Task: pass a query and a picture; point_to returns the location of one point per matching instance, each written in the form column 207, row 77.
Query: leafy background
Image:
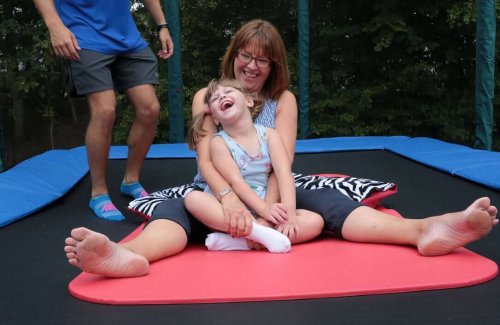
column 386, row 67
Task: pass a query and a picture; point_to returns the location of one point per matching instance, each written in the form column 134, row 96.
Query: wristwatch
column 159, row 27
column 223, row 192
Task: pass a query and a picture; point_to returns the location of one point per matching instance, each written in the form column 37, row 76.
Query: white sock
column 273, row 240
column 218, row 241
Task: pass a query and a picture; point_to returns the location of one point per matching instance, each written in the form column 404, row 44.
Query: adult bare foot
column 443, row 234
column 93, row 252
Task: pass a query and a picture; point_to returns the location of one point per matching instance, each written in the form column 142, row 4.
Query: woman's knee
column 191, row 199
column 311, row 222
column 172, row 235
column 169, row 215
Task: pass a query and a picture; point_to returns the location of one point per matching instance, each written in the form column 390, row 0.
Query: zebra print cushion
column 357, row 189
column 144, row 206
column 363, row 190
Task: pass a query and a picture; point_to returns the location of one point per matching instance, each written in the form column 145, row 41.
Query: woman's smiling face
column 251, row 75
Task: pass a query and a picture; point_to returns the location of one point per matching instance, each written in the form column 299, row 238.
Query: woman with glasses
column 256, row 57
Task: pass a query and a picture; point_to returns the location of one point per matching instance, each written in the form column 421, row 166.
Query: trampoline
column 36, row 273
column 36, row 220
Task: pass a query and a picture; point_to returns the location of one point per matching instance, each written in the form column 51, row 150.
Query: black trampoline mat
column 35, row 273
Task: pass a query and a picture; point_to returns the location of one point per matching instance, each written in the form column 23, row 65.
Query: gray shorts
column 97, row 71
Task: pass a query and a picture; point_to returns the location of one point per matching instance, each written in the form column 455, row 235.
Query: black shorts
column 333, row 206
column 96, row 71
column 174, row 210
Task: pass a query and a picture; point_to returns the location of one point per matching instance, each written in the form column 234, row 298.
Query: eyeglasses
column 246, row 58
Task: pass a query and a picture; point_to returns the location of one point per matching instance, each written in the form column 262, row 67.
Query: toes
column 70, row 249
column 70, row 241
column 73, row 261
column 80, row 233
column 483, row 202
column 70, row 255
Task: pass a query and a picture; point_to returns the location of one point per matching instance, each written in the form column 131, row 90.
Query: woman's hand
column 237, row 218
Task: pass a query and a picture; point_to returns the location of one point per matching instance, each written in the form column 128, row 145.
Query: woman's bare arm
column 286, row 126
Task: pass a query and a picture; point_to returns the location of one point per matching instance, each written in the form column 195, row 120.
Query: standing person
column 245, row 153
column 256, row 58
column 105, row 52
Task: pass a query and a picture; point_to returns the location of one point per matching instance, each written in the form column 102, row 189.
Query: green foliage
column 32, row 79
column 385, row 67
column 393, row 68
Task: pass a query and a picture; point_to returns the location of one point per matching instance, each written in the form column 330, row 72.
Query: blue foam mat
column 38, row 181
column 479, row 166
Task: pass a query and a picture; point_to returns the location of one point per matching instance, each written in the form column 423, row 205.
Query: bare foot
column 93, row 252
column 444, row 233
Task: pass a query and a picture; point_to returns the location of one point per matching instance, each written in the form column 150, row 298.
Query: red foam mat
column 319, row 269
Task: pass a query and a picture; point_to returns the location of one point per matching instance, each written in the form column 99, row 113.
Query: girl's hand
column 290, row 229
column 276, row 213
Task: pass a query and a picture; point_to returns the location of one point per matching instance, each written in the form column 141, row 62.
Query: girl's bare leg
column 208, row 210
column 311, row 226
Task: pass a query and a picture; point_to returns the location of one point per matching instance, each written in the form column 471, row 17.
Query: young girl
column 244, row 154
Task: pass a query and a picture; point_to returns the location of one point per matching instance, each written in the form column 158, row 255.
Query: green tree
column 392, row 68
column 32, row 80
column 381, row 67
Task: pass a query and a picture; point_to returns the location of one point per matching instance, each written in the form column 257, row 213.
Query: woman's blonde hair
column 261, row 35
column 196, row 131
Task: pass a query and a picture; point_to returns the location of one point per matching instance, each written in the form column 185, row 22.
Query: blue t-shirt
column 105, row 26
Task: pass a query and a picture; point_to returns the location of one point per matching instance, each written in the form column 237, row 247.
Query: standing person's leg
column 136, row 74
column 92, row 77
column 98, row 140
column 143, row 131
column 98, row 137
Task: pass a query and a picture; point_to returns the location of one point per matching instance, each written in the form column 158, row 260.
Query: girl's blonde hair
column 196, row 131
